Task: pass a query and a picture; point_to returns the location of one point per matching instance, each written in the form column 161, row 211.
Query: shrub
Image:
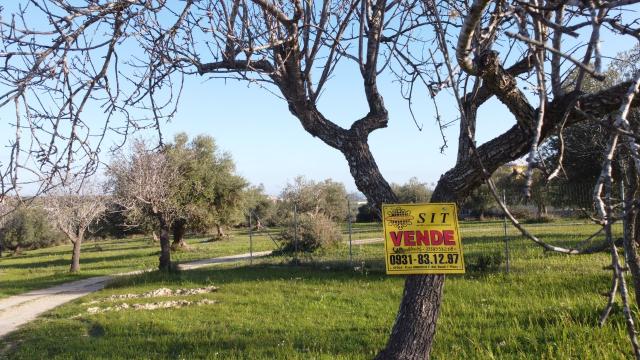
column 543, row 219
column 485, row 262
column 28, row 229
column 313, row 232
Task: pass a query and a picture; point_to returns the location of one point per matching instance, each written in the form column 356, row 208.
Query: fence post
column 506, row 238
column 295, row 233
column 624, row 207
column 250, row 239
column 349, row 222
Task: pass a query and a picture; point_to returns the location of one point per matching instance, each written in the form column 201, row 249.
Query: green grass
column 46, row 267
column 546, row 308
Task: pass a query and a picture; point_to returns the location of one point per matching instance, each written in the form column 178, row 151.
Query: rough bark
column 179, row 230
column 414, row 329
column 165, row 248
column 75, row 256
column 220, row 231
column 630, row 244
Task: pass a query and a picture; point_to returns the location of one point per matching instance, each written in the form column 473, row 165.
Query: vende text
column 426, row 238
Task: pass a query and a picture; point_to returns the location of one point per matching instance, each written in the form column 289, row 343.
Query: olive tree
column 210, row 194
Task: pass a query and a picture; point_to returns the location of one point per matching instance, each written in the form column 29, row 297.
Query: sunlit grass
column 546, row 308
column 45, row 267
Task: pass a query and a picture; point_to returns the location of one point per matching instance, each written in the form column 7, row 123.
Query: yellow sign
column 422, row 239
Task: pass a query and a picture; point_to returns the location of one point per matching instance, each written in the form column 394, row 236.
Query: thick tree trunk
column 179, row 229
column 165, row 248
column 75, row 257
column 415, row 325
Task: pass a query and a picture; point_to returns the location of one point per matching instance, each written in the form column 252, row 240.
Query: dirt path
column 367, row 241
column 21, row 309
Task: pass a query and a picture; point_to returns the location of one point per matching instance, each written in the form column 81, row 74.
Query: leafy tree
column 27, row 228
column 413, row 191
column 210, row 194
column 261, row 206
column 325, row 197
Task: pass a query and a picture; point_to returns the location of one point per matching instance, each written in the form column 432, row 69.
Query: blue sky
column 270, row 146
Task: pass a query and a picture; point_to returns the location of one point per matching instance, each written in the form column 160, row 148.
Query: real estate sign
column 422, row 239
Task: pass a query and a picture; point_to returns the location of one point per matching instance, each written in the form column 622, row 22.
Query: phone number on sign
column 423, row 259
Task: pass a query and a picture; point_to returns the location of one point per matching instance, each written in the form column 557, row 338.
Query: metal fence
column 557, row 214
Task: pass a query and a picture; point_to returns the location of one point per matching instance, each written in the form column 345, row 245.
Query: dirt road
column 20, row 309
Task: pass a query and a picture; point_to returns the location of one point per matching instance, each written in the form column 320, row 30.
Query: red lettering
column 436, row 237
column 448, row 237
column 396, row 237
column 422, row 237
column 409, row 239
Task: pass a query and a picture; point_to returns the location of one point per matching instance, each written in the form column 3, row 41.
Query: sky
column 270, row 147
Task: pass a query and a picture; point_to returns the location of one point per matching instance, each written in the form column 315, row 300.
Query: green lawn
column 45, row 267
column 546, row 308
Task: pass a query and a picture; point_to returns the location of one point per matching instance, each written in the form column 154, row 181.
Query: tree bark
column 220, row 231
column 631, row 222
column 179, row 229
column 165, row 248
column 75, row 257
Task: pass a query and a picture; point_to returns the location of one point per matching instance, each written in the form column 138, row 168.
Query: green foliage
column 412, row 192
column 325, row 197
column 313, row 231
column 114, row 224
column 27, row 229
column 366, row 214
column 262, row 207
column 210, row 193
column 484, row 262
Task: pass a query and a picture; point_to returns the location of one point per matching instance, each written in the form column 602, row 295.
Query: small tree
column 144, row 183
column 26, row 228
column 412, row 192
column 260, row 205
column 74, row 207
column 326, row 197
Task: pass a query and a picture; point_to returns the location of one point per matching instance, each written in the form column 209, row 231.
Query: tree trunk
column 415, row 325
column 631, row 231
column 75, row 257
column 179, row 229
column 220, row 231
column 165, row 248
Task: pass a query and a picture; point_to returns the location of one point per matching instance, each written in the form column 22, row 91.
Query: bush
column 366, row 214
column 544, row 219
column 313, row 232
column 485, row 262
column 28, row 229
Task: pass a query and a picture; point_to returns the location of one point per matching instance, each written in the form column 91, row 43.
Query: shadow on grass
column 67, row 261
column 248, row 273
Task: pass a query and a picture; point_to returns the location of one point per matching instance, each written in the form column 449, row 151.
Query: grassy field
column 45, row 267
column 546, row 308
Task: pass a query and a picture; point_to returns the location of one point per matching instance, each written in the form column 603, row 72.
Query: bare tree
column 144, row 183
column 74, row 207
column 292, row 48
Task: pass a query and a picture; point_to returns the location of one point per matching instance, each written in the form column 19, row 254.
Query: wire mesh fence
column 555, row 214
